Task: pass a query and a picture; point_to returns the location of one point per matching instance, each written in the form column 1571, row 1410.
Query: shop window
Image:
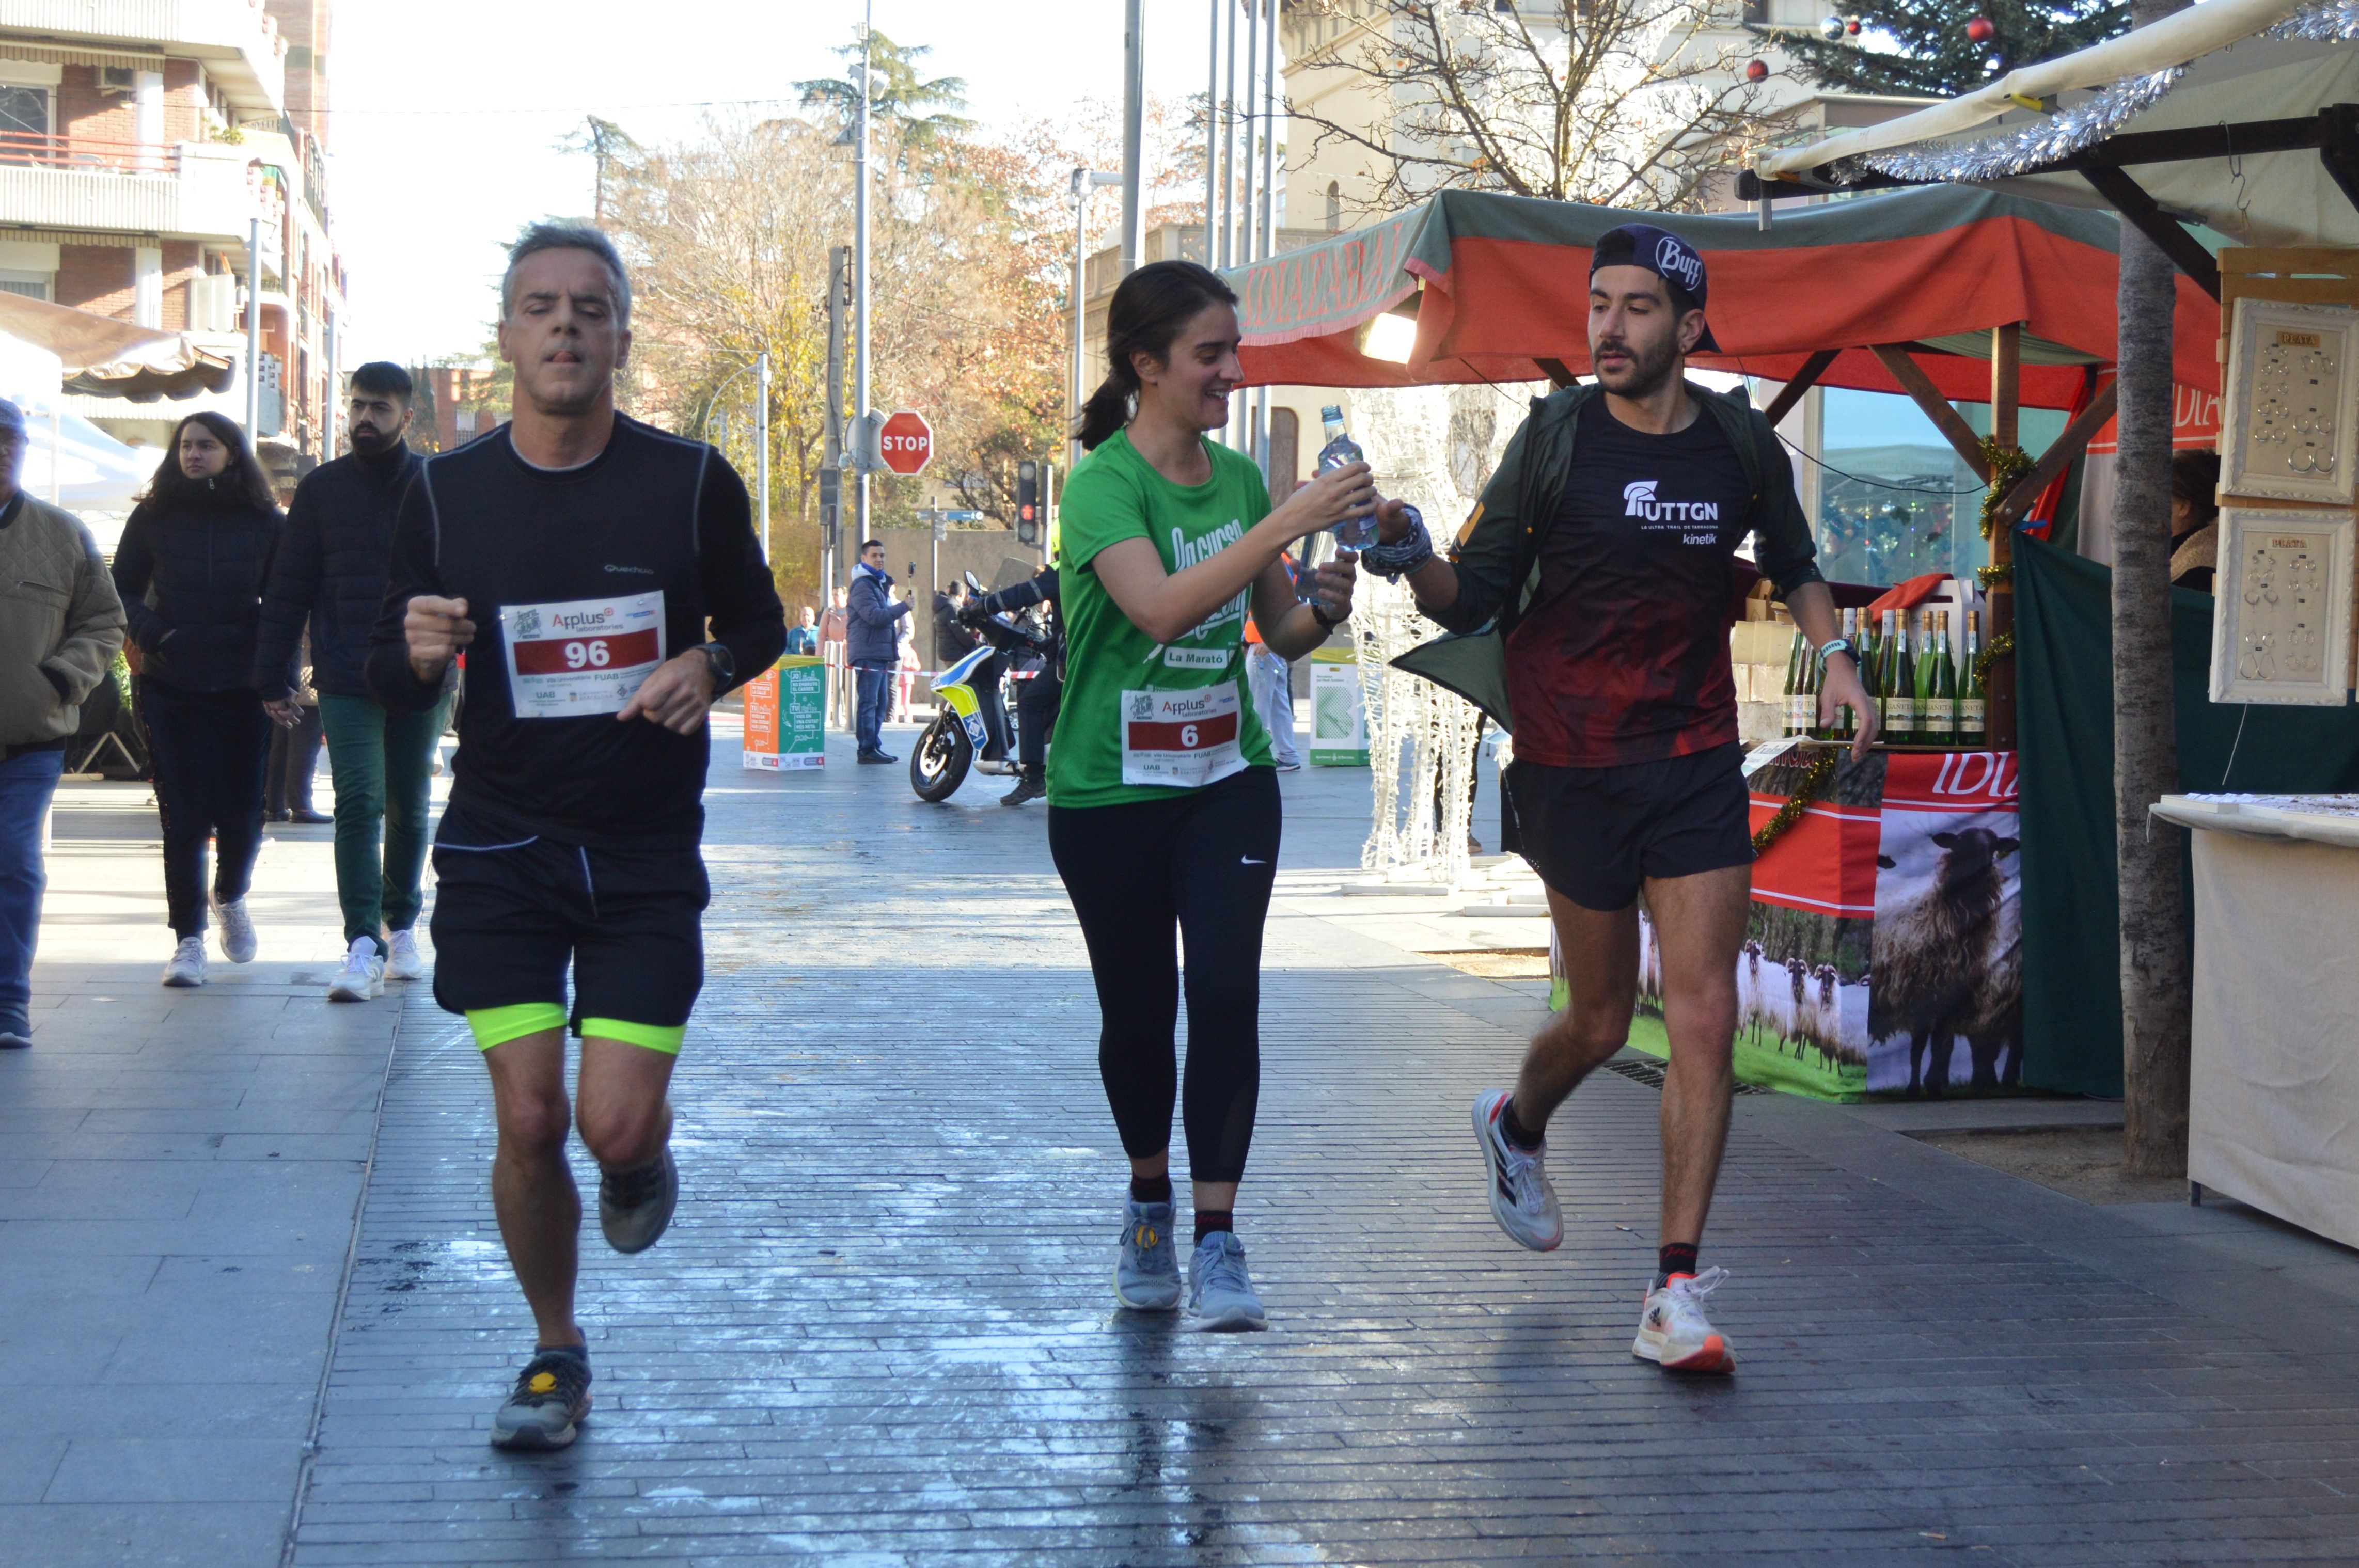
column 1895, row 499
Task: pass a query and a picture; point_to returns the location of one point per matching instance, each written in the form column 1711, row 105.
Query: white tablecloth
column 2274, row 1104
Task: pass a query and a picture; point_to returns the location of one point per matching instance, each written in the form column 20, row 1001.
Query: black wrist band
column 1319, row 613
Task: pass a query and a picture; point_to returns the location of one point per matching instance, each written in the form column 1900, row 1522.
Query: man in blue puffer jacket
column 874, row 646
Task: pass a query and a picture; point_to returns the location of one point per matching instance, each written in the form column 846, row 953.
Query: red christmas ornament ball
column 1851, row 25
column 1980, row 31
column 1757, row 70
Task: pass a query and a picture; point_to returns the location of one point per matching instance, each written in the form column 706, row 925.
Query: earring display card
column 2290, row 427
column 2282, row 631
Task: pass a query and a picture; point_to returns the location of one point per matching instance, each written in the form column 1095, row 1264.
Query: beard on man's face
column 1650, row 363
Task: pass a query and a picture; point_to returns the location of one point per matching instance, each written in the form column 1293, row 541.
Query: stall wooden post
column 2006, row 386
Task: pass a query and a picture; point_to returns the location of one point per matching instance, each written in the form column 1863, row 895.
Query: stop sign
column 907, row 441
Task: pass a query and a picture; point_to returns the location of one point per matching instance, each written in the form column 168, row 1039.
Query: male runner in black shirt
column 577, row 557
column 1630, row 497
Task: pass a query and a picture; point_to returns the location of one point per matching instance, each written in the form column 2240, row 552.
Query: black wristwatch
column 723, row 663
column 1319, row 613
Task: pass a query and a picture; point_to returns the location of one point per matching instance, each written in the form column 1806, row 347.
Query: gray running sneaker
column 1522, row 1201
column 634, row 1206
column 186, row 967
column 237, row 942
column 544, row 1410
column 1146, row 1271
column 1221, row 1298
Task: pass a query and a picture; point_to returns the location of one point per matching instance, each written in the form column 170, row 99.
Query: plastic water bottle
column 1352, row 533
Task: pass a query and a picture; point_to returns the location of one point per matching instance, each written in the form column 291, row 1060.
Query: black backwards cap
column 1666, row 256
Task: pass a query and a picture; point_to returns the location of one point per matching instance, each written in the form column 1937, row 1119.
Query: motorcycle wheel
column 938, row 764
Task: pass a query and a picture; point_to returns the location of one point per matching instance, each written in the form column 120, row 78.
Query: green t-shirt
column 1135, row 712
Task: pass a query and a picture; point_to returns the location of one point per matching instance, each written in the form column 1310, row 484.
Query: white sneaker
column 238, row 944
column 1521, row 1199
column 188, row 965
column 405, row 962
column 361, row 976
column 1674, row 1333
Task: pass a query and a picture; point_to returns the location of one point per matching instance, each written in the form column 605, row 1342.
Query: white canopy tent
column 2240, row 114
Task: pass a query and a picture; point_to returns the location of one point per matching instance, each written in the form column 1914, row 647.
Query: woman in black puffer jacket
column 191, row 569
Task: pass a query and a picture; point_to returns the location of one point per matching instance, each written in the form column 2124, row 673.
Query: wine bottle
column 1871, row 666
column 1806, row 702
column 1900, row 683
column 1794, row 684
column 1846, row 722
column 1938, row 717
column 1972, row 731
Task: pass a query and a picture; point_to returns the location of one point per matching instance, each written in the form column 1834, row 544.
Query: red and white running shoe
column 1675, row 1335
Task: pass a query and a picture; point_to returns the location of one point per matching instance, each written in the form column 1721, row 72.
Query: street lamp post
column 860, row 282
column 1084, row 182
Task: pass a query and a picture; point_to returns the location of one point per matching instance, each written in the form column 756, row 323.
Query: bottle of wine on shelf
column 1937, row 715
column 1807, row 705
column 1846, row 722
column 1794, row 683
column 1871, row 669
column 1973, row 729
column 1899, row 683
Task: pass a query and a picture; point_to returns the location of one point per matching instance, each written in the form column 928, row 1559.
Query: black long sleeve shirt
column 637, row 548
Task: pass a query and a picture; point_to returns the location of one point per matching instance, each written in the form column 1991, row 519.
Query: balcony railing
column 26, row 148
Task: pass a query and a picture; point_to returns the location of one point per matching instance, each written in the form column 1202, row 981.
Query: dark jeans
column 876, row 701
column 26, row 782
column 1036, row 701
column 379, row 763
column 207, row 749
column 294, row 758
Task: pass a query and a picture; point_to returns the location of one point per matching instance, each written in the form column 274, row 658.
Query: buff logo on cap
column 1673, row 259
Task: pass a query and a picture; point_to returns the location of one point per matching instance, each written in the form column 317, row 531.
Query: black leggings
column 1201, row 861
column 207, row 750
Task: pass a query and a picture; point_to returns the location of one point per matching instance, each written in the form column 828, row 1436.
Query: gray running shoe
column 237, row 942
column 17, row 1037
column 634, row 1206
column 1522, row 1201
column 1146, row 1271
column 550, row 1397
column 186, row 967
column 1221, row 1298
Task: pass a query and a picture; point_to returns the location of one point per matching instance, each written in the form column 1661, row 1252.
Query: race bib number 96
column 1181, row 738
column 584, row 656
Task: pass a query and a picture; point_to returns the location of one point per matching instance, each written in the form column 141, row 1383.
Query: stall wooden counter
column 2273, row 1115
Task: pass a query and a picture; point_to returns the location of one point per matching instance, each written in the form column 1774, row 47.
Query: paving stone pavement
column 879, row 1332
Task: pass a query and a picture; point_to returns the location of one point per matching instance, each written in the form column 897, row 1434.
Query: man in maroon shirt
column 1602, row 552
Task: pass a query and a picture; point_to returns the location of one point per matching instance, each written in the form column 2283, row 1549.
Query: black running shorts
column 1595, row 834
column 511, row 914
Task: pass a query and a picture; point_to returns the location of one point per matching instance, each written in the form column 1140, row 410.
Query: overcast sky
column 447, row 113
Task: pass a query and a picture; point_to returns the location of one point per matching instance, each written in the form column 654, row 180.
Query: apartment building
column 140, row 142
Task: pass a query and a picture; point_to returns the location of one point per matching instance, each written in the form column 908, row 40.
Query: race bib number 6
column 583, row 656
column 1181, row 738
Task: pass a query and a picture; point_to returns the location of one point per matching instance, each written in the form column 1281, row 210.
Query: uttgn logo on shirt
column 1641, row 503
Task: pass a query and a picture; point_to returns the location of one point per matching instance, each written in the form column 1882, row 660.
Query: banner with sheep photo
column 1883, row 930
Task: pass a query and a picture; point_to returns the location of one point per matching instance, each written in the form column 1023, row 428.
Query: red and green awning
column 1499, row 285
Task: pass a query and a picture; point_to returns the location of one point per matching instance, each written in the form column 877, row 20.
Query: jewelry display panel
column 2291, row 424
column 2282, row 628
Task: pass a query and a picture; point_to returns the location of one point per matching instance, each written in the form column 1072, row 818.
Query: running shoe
column 1521, row 1199
column 1027, row 788
column 363, row 976
column 238, row 944
column 1673, row 1332
column 404, row 961
column 545, row 1408
column 1146, row 1271
column 1221, row 1298
column 634, row 1206
column 186, row 967
column 16, row 1037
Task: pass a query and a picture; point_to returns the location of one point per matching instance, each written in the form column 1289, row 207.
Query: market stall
column 1938, row 294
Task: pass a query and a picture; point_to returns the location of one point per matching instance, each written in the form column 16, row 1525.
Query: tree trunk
column 2156, row 984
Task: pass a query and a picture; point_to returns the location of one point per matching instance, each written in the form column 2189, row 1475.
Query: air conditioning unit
column 118, row 79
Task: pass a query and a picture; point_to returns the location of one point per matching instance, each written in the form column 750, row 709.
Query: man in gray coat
column 61, row 627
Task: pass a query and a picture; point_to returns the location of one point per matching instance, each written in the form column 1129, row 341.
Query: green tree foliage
column 1927, row 52
column 916, row 109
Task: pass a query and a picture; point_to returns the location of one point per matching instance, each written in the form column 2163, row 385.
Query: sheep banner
column 1881, row 952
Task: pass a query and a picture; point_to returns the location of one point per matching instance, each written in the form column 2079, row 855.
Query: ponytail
column 1149, row 307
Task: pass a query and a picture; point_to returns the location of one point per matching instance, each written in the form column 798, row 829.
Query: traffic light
column 830, row 505
column 1028, row 503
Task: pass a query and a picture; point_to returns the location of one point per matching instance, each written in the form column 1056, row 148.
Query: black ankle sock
column 1674, row 1258
column 1150, row 1189
column 1208, row 1220
column 1519, row 1135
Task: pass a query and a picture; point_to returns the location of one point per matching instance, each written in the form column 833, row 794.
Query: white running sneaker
column 186, row 967
column 363, row 976
column 1673, row 1332
column 238, row 944
column 1521, row 1199
column 405, row 962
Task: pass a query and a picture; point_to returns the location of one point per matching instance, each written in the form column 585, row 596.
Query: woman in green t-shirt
column 1163, row 804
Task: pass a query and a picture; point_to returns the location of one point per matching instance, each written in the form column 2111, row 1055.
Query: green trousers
column 379, row 763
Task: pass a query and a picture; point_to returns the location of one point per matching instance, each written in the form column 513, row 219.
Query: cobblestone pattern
column 878, row 1334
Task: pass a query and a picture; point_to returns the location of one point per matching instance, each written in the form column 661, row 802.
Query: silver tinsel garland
column 2052, row 136
column 2337, row 21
